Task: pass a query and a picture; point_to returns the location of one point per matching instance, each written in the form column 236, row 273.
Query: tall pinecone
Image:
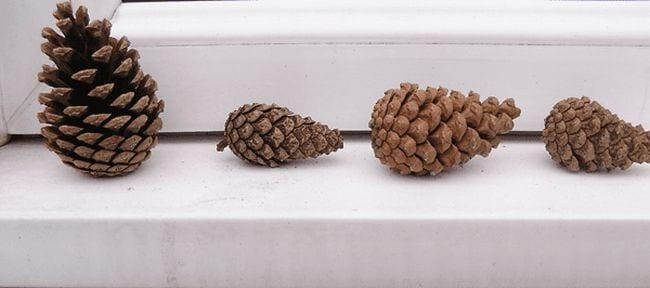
column 270, row 135
column 582, row 135
column 102, row 113
column 426, row 131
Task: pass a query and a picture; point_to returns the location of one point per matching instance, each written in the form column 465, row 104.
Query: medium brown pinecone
column 270, row 135
column 582, row 135
column 102, row 112
column 426, row 131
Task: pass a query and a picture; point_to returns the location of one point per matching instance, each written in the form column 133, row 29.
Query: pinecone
column 102, row 113
column 582, row 135
column 270, row 135
column 427, row 131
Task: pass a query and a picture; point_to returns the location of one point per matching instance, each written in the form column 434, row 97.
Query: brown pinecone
column 426, row 131
column 270, row 135
column 582, row 135
column 102, row 112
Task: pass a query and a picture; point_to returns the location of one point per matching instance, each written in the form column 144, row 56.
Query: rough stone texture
column 102, row 114
column 423, row 132
column 582, row 135
column 270, row 135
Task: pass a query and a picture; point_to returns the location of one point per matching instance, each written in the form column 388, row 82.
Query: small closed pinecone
column 270, row 135
column 582, row 135
column 102, row 112
column 426, row 131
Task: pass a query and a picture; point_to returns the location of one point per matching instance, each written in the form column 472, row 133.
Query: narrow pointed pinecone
column 270, row 135
column 582, row 135
column 102, row 113
column 427, row 131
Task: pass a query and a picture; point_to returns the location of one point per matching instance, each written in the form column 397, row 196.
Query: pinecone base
column 112, row 156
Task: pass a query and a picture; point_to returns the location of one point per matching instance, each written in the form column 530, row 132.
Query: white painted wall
column 333, row 59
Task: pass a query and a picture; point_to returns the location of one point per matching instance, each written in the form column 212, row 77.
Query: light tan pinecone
column 427, row 131
column 270, row 135
column 582, row 135
column 102, row 113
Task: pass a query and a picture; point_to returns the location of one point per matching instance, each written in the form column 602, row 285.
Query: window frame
column 475, row 29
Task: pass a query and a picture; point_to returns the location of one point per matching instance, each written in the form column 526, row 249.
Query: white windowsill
column 193, row 217
column 186, row 177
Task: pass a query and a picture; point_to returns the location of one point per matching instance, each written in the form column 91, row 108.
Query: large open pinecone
column 102, row 112
column 270, row 135
column 426, row 131
column 582, row 135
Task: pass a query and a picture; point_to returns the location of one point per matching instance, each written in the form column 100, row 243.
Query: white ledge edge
column 558, row 23
column 4, row 129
